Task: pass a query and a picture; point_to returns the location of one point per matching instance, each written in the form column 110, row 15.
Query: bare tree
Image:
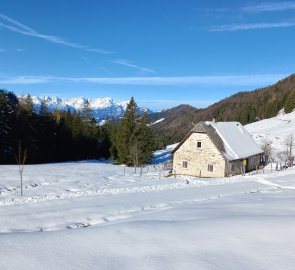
column 267, row 149
column 289, row 146
column 21, row 158
column 134, row 153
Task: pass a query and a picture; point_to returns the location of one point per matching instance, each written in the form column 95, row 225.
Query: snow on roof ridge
column 234, row 154
column 237, row 141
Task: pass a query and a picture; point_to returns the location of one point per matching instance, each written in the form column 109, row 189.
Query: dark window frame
column 210, row 168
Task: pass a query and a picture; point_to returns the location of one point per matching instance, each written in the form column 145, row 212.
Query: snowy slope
column 156, row 122
column 92, row 215
column 274, row 129
column 89, row 215
column 102, row 107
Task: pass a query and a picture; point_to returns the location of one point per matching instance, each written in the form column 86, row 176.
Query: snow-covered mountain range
column 102, row 107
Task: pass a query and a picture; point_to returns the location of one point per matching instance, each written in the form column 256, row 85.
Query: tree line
column 57, row 136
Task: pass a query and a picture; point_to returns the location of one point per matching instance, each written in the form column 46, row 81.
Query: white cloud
column 128, row 64
column 250, row 26
column 267, row 7
column 98, row 50
column 3, row 50
column 52, row 39
column 18, row 27
column 23, row 80
column 215, row 80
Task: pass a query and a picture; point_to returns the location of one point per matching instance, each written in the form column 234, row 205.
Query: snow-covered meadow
column 274, row 130
column 95, row 215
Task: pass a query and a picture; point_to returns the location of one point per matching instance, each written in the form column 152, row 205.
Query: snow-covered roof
column 238, row 143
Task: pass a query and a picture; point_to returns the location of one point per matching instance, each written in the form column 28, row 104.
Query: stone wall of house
column 236, row 166
column 253, row 162
column 198, row 159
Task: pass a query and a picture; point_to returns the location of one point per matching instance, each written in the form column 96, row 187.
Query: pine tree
column 290, row 102
column 141, row 143
column 87, row 112
column 110, row 129
column 125, row 131
column 43, row 110
column 8, row 105
column 28, row 104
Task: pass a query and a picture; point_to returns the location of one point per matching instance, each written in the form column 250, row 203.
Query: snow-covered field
column 89, row 215
column 94, row 215
column 275, row 130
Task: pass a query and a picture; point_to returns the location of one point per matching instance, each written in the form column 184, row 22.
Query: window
column 184, row 164
column 199, row 144
column 210, row 168
column 232, row 167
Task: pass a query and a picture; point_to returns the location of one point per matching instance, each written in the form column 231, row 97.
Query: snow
column 164, row 155
column 156, row 122
column 102, row 103
column 101, row 107
column 237, row 141
column 274, row 129
column 88, row 215
column 96, row 215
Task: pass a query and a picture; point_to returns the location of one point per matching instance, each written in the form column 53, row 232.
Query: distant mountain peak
column 102, row 107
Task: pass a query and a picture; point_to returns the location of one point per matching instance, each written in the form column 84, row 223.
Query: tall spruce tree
column 28, row 104
column 125, row 131
column 141, row 143
column 87, row 112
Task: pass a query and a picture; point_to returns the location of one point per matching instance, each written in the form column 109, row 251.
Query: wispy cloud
column 23, row 30
column 11, row 50
column 18, row 27
column 211, row 10
column 106, row 70
column 216, row 80
column 249, row 26
column 85, row 59
column 267, row 7
column 24, row 80
column 128, row 64
column 97, row 50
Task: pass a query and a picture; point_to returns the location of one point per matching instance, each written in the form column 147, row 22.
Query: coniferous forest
column 56, row 136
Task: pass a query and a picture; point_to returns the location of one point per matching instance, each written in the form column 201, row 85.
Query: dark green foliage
column 110, row 130
column 141, row 143
column 134, row 142
column 87, row 112
column 47, row 136
column 8, row 105
column 125, row 131
column 61, row 136
column 290, row 102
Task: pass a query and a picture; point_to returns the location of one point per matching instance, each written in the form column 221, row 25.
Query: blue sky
column 161, row 52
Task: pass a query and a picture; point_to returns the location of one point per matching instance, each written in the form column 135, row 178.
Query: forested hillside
column 245, row 107
column 30, row 136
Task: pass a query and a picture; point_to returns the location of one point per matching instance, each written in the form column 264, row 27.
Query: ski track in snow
column 115, row 191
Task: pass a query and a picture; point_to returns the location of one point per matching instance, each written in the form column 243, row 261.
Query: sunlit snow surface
column 88, row 215
column 274, row 130
column 95, row 215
